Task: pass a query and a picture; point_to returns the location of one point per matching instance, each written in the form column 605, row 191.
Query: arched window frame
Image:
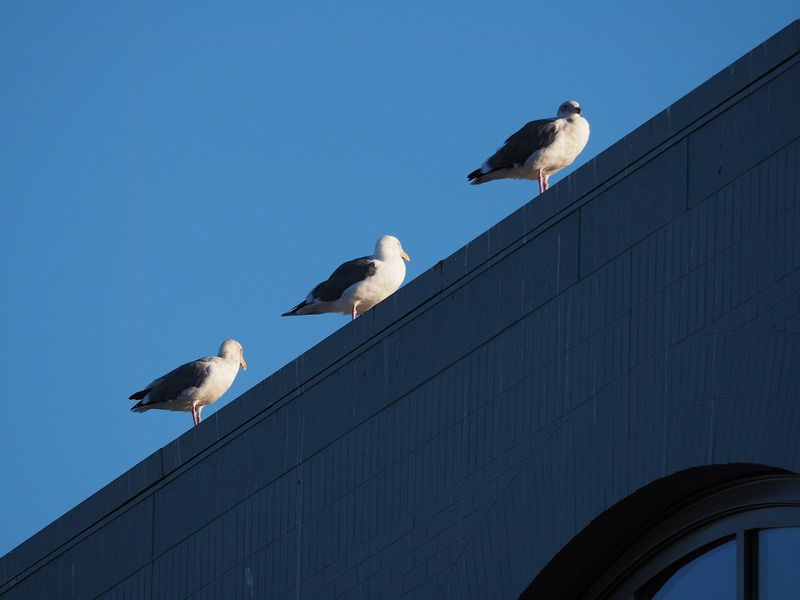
column 663, row 541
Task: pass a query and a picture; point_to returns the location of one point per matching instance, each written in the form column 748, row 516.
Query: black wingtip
column 139, row 395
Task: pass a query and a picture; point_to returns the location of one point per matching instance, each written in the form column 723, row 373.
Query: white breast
column 572, row 137
column 219, row 380
column 387, row 279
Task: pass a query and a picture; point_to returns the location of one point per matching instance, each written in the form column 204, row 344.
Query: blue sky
column 173, row 174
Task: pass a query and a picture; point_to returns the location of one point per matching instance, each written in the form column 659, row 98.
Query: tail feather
column 293, row 312
column 139, row 395
column 139, row 407
column 478, row 176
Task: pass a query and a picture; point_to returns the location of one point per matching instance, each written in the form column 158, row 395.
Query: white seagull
column 539, row 149
column 194, row 385
column 358, row 285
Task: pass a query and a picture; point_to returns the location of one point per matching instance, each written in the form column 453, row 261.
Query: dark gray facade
column 638, row 320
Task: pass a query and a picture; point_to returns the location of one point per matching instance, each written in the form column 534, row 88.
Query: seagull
column 358, row 285
column 194, row 385
column 538, row 150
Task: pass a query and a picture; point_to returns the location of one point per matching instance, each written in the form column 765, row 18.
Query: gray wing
column 170, row 386
column 518, row 148
column 342, row 278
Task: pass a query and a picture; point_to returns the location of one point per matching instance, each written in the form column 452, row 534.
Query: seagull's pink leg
column 353, row 313
column 546, row 183
column 194, row 415
column 541, row 182
column 199, row 418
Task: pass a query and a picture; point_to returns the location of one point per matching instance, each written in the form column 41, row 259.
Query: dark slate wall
column 638, row 319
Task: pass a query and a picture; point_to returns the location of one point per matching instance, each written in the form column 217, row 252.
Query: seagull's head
column 569, row 108
column 389, row 247
column 232, row 350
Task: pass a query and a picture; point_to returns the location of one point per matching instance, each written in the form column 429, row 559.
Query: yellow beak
column 405, row 256
column 243, row 362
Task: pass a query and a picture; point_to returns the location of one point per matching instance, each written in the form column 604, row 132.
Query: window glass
column 710, row 575
column 778, row 563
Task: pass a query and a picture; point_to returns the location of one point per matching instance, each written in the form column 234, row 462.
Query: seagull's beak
column 243, row 362
column 404, row 255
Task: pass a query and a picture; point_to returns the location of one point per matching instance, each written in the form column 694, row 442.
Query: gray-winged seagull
column 539, row 149
column 194, row 385
column 358, row 285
